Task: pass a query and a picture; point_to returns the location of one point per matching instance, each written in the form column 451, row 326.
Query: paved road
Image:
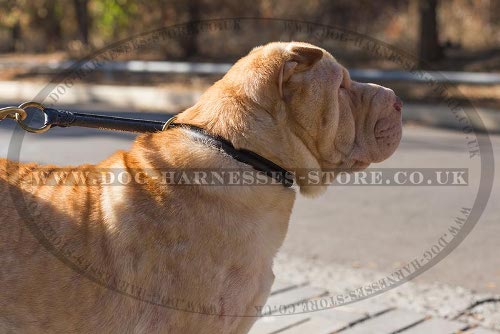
column 375, row 227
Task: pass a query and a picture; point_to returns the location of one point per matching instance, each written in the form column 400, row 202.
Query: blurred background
column 445, row 35
column 455, row 34
column 352, row 235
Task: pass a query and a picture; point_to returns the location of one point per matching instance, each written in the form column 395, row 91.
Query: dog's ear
column 300, row 58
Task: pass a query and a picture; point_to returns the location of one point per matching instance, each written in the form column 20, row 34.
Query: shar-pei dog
column 160, row 256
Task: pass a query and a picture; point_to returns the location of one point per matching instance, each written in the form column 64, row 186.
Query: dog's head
column 320, row 117
column 351, row 124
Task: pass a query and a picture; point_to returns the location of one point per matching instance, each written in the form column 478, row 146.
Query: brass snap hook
column 11, row 112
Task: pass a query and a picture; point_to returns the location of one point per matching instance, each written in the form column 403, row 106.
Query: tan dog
column 197, row 248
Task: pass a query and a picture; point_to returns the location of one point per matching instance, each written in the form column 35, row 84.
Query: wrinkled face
column 347, row 124
column 369, row 121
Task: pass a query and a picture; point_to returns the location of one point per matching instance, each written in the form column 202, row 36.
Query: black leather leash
column 64, row 118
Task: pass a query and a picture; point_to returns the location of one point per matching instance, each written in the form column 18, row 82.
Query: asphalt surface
column 367, row 227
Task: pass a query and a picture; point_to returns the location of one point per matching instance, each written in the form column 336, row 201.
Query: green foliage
column 112, row 17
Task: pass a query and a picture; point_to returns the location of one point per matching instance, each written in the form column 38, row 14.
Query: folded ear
column 301, row 58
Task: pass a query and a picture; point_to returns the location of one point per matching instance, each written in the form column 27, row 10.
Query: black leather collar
column 258, row 162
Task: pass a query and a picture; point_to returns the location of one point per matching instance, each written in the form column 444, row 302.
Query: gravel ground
column 439, row 300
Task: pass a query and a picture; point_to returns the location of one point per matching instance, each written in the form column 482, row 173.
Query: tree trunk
column 429, row 48
column 190, row 42
column 83, row 19
column 15, row 33
column 52, row 26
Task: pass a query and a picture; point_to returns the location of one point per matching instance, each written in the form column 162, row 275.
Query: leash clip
column 19, row 114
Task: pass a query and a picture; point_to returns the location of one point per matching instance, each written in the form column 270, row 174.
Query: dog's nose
column 398, row 105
